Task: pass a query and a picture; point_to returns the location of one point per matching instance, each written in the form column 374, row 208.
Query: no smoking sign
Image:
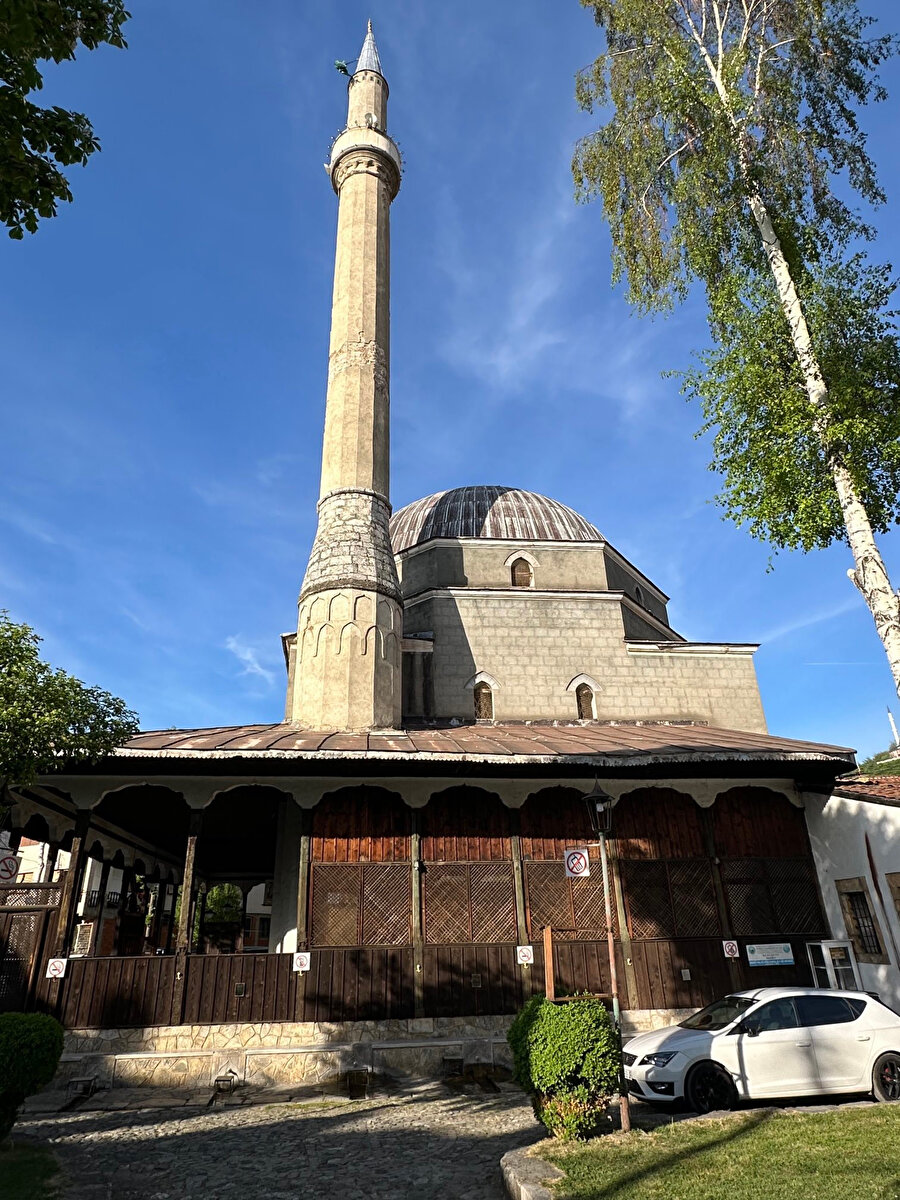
column 731, row 949
column 578, row 865
column 9, row 867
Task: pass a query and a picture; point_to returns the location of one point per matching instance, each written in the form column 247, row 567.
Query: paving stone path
column 435, row 1143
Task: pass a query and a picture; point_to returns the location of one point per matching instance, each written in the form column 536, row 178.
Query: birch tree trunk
column 869, row 573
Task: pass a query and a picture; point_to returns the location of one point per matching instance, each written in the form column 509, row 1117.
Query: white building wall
column 837, row 831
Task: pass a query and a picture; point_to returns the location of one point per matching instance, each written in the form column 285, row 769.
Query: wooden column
column 50, row 864
column 418, row 936
column 706, row 825
column 127, row 880
column 68, row 908
column 185, row 916
column 156, row 920
column 101, row 905
column 515, row 843
column 303, row 880
column 618, row 898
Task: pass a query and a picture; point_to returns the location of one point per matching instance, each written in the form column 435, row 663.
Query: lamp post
column 600, row 805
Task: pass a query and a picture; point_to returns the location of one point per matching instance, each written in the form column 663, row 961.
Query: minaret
column 346, row 673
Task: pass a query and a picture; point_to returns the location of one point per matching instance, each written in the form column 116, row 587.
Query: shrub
column 30, row 1047
column 566, row 1056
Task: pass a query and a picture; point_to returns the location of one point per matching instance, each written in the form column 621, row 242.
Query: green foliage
column 224, row 904
column 49, row 719
column 30, row 1048
column 566, row 1056
column 35, row 142
column 880, row 764
column 712, row 101
column 773, row 449
column 723, row 117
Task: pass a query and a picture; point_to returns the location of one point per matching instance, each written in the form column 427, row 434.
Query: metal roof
column 489, row 512
column 596, row 744
column 368, row 57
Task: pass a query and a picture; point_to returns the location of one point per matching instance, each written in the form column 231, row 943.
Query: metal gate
column 28, row 914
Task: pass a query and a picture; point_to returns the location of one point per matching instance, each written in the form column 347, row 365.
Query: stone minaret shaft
column 346, row 672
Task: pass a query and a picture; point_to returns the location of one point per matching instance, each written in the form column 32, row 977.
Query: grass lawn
column 27, row 1173
column 843, row 1155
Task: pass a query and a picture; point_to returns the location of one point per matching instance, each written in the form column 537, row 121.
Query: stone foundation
column 280, row 1054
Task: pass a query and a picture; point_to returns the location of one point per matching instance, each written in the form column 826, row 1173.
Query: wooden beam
column 418, row 936
column 68, row 907
column 303, row 879
column 185, row 916
column 101, row 905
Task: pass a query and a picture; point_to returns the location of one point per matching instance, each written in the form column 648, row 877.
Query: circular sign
column 9, row 868
column 731, row 949
column 525, row 955
column 576, row 862
column 56, row 968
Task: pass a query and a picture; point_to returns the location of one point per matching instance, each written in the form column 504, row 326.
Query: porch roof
column 595, row 744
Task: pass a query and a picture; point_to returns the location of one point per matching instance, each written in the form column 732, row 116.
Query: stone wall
column 280, row 1054
column 533, row 645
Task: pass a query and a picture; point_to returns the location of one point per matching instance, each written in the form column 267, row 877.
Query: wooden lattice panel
column 335, row 904
column 30, row 896
column 749, row 900
column 492, row 901
column 795, row 897
column 589, row 905
column 386, row 905
column 694, row 898
column 549, row 896
column 446, row 902
column 647, row 898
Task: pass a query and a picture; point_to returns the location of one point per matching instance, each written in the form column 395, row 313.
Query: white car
column 768, row 1043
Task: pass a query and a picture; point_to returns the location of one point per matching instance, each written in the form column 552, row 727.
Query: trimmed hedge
column 566, row 1056
column 30, row 1048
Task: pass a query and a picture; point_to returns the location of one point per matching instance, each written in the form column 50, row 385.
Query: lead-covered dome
column 489, row 512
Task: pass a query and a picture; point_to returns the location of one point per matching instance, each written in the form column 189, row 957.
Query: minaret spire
column 368, row 57
column 346, row 670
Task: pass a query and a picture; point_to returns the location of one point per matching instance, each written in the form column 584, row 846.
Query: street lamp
column 599, row 806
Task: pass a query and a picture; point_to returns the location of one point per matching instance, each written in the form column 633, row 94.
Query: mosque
column 462, row 674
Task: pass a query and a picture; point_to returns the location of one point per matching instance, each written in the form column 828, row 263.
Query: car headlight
column 657, row 1060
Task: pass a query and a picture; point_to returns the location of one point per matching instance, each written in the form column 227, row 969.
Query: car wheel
column 886, row 1077
column 709, row 1088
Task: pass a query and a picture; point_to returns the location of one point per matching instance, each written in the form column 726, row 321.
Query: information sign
column 770, row 954
column 84, row 933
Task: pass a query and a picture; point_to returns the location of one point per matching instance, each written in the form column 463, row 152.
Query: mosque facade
column 462, row 673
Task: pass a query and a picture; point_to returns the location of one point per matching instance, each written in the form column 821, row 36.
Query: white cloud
column 248, row 657
column 801, row 623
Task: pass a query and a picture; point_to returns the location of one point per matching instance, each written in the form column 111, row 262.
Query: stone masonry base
column 280, row 1054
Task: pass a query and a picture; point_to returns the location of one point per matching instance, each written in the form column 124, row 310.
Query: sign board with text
column 770, row 954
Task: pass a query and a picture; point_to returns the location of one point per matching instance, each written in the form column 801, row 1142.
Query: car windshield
column 719, row 1014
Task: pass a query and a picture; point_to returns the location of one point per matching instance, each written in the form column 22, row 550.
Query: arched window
column 584, row 697
column 484, row 702
column 522, row 574
column 638, row 594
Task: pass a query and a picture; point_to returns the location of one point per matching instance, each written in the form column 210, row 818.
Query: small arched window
column 484, row 702
column 584, row 698
column 522, row 575
column 638, row 594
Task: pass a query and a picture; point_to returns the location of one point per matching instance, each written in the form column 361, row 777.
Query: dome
column 489, row 512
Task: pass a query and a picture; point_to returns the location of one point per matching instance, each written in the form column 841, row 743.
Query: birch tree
column 733, row 156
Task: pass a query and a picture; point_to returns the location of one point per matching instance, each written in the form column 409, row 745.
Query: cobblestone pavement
column 433, row 1143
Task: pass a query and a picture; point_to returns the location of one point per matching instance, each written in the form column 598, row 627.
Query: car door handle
column 803, row 1043
column 863, row 1037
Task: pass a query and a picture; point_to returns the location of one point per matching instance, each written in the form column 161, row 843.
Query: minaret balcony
column 369, row 140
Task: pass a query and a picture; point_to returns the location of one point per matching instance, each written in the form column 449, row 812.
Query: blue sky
column 165, row 340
